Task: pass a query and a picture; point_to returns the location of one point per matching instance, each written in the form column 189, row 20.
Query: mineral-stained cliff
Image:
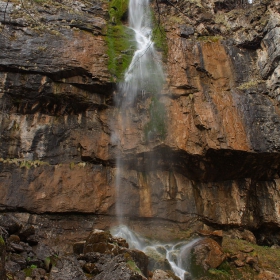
column 213, row 160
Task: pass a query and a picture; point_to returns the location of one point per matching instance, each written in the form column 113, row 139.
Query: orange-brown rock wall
column 218, row 162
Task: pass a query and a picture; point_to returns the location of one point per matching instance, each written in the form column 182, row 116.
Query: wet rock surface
column 52, row 259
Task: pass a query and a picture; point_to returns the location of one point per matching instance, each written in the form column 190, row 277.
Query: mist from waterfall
column 143, row 78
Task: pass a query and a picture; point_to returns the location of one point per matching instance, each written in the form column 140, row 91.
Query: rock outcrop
column 215, row 162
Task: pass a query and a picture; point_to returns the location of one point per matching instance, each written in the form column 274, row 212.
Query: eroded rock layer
column 214, row 159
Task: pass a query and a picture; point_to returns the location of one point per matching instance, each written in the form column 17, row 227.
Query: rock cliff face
column 216, row 162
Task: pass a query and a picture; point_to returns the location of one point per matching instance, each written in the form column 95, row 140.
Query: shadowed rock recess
column 214, row 160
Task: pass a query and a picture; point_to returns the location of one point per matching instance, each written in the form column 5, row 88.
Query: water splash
column 177, row 254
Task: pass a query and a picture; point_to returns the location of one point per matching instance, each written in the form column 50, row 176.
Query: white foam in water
column 177, row 254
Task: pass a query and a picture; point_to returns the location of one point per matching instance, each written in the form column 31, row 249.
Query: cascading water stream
column 144, row 74
column 144, row 78
column 176, row 254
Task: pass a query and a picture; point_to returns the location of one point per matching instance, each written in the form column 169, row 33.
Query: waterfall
column 143, row 79
column 144, row 74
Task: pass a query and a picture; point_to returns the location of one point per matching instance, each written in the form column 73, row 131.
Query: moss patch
column 133, row 266
column 269, row 258
column 22, row 163
column 159, row 37
column 119, row 40
column 250, row 84
column 117, row 11
column 2, row 242
column 120, row 49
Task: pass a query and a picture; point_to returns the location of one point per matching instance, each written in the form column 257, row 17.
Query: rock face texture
column 215, row 162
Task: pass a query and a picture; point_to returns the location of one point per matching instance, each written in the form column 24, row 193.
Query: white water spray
column 144, row 74
column 177, row 254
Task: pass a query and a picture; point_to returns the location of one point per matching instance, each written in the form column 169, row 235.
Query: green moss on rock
column 119, row 40
column 120, row 49
column 159, row 37
column 117, row 10
column 2, row 242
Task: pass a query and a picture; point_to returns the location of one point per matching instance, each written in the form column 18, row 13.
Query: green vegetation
column 80, row 164
column 117, row 11
column 156, row 127
column 28, row 270
column 119, row 40
column 24, row 163
column 10, row 276
column 223, row 272
column 132, row 266
column 2, row 242
column 250, row 84
column 159, row 37
column 268, row 259
column 120, row 49
column 39, row 1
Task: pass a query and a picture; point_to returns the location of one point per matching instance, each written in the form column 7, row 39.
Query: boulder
column 69, row 269
column 10, row 223
column 217, row 235
column 100, row 241
column 26, row 231
column 141, row 260
column 163, row 275
column 90, row 268
column 121, row 268
column 205, row 254
column 20, row 260
column 157, row 260
column 78, row 247
column 12, row 267
column 186, row 31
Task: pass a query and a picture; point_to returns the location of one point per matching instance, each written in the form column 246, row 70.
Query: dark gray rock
column 12, row 266
column 186, row 31
column 121, row 268
column 70, row 269
column 19, row 259
column 26, row 231
column 16, row 247
column 10, row 223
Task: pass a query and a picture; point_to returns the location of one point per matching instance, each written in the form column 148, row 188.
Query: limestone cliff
column 215, row 161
